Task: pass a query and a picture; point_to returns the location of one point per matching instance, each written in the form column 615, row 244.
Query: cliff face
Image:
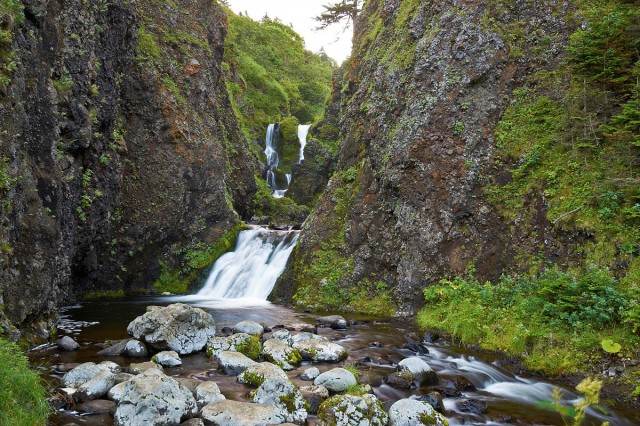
column 119, row 146
column 426, row 86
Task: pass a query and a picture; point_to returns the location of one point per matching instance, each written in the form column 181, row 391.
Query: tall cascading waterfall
column 251, row 270
column 273, row 159
column 303, row 131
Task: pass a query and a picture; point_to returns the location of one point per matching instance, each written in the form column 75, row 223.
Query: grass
column 23, row 399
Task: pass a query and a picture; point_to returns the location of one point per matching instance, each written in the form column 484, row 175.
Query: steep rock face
column 119, row 146
column 426, row 86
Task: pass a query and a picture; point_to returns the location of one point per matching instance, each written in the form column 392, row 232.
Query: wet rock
column 137, row 368
column 419, row 369
column 235, row 413
column 115, row 350
column 315, row 396
column 97, row 387
column 152, row 398
column 177, row 327
column 414, row 345
column 278, row 352
column 98, row 406
column 257, row 373
column 411, row 412
column 430, row 337
column 135, row 349
column 227, row 331
column 67, row 344
column 208, row 392
column 400, row 380
column 303, row 328
column 282, row 394
column 310, row 373
column 435, row 400
column 251, row 328
column 348, row 410
column 167, row 359
column 376, row 344
column 474, row 406
column 448, row 392
column 336, row 322
column 462, row 384
column 217, row 344
column 318, row 350
column 65, row 368
column 234, row 363
column 336, row 380
column 83, row 373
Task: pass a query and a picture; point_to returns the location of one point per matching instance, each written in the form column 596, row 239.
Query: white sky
column 300, row 14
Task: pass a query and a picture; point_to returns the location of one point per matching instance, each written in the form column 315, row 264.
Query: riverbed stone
column 305, row 336
column 67, row 344
column 315, row 396
column 435, row 400
column 475, row 406
column 98, row 406
column 217, row 344
column 208, row 392
column 236, row 413
column 283, row 394
column 400, row 380
column 189, row 383
column 278, row 352
column 350, row 410
column 251, row 328
column 97, row 387
column 83, row 373
column 336, row 322
column 234, row 363
column 122, row 377
column 141, row 367
column 257, row 373
column 135, row 349
column 310, row 373
column 115, row 350
column 177, row 327
column 116, row 392
column 111, row 366
column 318, row 350
column 411, row 412
column 420, row 371
column 193, row 422
column 153, row 398
column 284, row 335
column 336, row 380
column 167, row 359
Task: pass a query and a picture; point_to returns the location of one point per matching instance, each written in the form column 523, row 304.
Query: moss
column 12, row 12
column 289, row 401
column 147, row 50
column 276, row 210
column 97, row 295
column 251, row 348
column 290, row 149
column 294, row 357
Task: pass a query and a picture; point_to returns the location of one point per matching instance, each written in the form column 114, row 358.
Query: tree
column 338, row 12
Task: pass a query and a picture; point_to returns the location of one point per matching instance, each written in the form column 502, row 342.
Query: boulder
column 208, row 392
column 152, row 398
column 336, row 322
column 336, row 380
column 167, row 359
column 411, row 412
column 251, row 328
column 177, row 327
column 111, row 366
column 83, row 373
column 278, row 352
column 235, row 413
column 257, row 373
column 193, row 422
column 435, row 400
column 67, row 344
column 305, row 336
column 97, row 387
column 284, row 335
column 189, row 383
column 318, row 350
column 217, row 344
column 399, row 380
column 310, row 373
column 234, row 363
column 475, row 406
column 115, row 350
column 349, row 410
column 141, row 367
column 122, row 377
column 283, row 394
column 420, row 371
column 314, row 395
column 135, row 349
column 116, row 392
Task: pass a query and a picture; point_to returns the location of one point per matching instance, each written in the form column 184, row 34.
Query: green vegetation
column 99, row 295
column 251, row 348
column 277, row 210
column 23, row 399
column 290, row 144
column 12, row 12
column 574, row 416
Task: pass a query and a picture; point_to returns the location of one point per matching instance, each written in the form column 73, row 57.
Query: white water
column 251, row 270
column 303, row 131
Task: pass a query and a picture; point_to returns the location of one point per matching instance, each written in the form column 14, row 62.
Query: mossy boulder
column 411, row 412
column 346, row 410
column 256, row 374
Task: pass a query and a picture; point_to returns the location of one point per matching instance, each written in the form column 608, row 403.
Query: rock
column 115, row 350
column 282, row 394
column 66, row 367
column 97, row 387
column 304, row 328
column 310, row 373
column 435, row 400
column 98, row 406
column 430, row 337
column 448, row 392
column 216, row 344
column 83, row 373
column 257, row 373
column 336, row 380
column 305, row 336
column 336, row 322
column 111, row 366
column 137, row 368
column 135, row 349
column 318, row 350
column 193, row 422
column 474, row 406
column 67, row 344
column 235, row 413
column 177, row 327
column 208, row 392
column 167, row 359
column 284, row 335
column 152, row 398
column 461, row 384
column 314, row 395
column 234, row 363
column 122, row 377
column 116, row 392
column 189, row 383
column 420, row 370
column 350, row 410
column 411, row 412
column 278, row 352
column 399, row 380
column 251, row 328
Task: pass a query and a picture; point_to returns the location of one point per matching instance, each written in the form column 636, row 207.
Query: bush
column 23, row 399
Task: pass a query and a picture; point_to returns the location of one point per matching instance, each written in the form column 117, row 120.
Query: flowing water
column 273, row 159
column 236, row 290
column 303, row 131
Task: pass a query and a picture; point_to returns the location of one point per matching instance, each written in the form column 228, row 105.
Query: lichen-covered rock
column 152, row 398
column 306, row 335
column 251, row 328
column 336, row 380
column 135, row 349
column 217, row 344
column 141, row 367
column 116, row 392
column 284, row 335
column 310, row 373
column 282, row 394
column 234, row 363
column 177, row 327
column 83, row 373
column 318, row 350
column 420, row 371
column 411, row 412
column 278, row 352
column 97, row 387
column 336, row 322
column 351, row 410
column 257, row 373
column 235, row 413
column 167, row 359
column 208, row 392
column 314, row 395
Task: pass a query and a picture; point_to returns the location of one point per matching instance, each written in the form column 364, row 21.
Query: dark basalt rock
column 474, row 406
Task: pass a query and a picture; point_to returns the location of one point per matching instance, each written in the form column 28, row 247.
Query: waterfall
column 251, row 270
column 303, row 131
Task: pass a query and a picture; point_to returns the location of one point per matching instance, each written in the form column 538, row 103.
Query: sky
column 300, row 14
